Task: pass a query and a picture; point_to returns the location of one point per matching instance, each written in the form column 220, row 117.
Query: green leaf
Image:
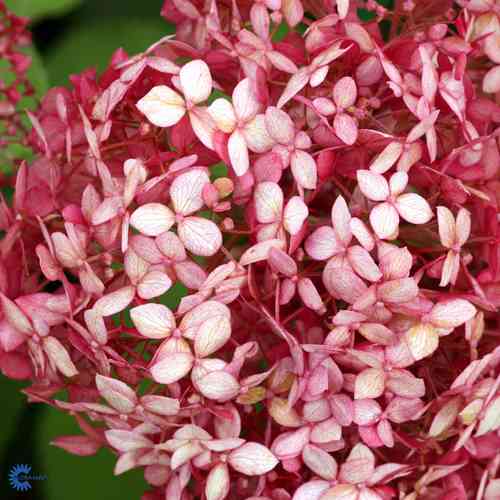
column 92, row 44
column 80, row 478
column 39, row 9
column 37, row 74
column 11, row 389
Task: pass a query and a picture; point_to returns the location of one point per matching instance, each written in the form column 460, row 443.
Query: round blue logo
column 18, row 477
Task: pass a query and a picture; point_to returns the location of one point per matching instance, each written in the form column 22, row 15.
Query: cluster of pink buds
column 262, row 257
column 14, row 84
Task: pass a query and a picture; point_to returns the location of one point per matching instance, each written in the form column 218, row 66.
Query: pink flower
column 384, row 217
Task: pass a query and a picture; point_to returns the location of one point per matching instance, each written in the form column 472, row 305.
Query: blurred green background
column 70, row 36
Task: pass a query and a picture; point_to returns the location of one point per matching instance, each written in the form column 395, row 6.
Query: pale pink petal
column 310, row 296
column 323, row 243
column 220, row 386
column 361, row 232
column 446, row 226
column 222, row 113
column 293, row 11
column 318, row 76
column 387, row 158
column 161, row 405
column 295, row 214
column 398, row 183
column 200, row 236
column 154, row 321
column 296, row 83
column 341, row 218
column 186, row 191
column 252, row 459
column 304, row 169
column 65, row 251
column 153, row 284
column 82, row 446
column 238, row 153
column 203, row 126
column 452, row 313
column 290, row 444
column 402, row 410
column 384, row 219
column 114, row 302
column 118, row 394
column 343, row 8
column 171, row 247
column 196, row 81
column 320, row 462
column 279, row 125
column 491, row 81
column 152, row 219
column 413, row 208
column 282, row 263
column 363, row 263
column 377, row 333
column 260, row 251
column 422, row 340
column 341, row 281
column 268, row 199
column 218, row 482
column 256, row 135
column 398, row 291
column 212, row 335
column 124, row 440
column 345, row 92
column 366, row 411
column 162, row 106
column 369, row 384
column 245, row 102
column 172, row 367
column 312, row 490
column 345, row 128
column 59, row 356
column 341, row 492
column 463, row 226
column 359, row 465
column 373, row 185
column 281, row 62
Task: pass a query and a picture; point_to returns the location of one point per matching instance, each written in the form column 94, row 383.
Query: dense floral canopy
column 261, row 258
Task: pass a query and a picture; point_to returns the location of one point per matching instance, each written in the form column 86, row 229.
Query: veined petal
column 384, row 219
column 346, row 128
column 295, row 214
column 446, row 225
column 245, row 102
column 200, row 236
column 345, row 92
column 422, row 340
column 322, row 243
column 152, row 219
column 153, row 284
column 238, row 153
column 186, row 191
column 279, row 125
column 296, row 83
column 196, row 81
column 222, row 113
column 203, row 126
column 256, row 135
column 162, row 106
column 452, row 313
column 172, row 367
column 252, row 459
column 114, row 302
column 304, row 169
column 413, row 208
column 268, row 199
column 373, row 185
column 341, row 281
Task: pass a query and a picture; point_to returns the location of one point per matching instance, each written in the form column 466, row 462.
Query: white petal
column 304, row 169
column 154, row 321
column 413, row 208
column 252, row 459
column 373, row 185
column 268, row 198
column 384, row 220
column 152, row 219
column 196, row 81
column 222, row 112
column 162, row 106
column 245, row 103
column 256, row 136
column 295, row 214
column 186, row 191
column 238, row 153
column 114, row 302
column 200, row 236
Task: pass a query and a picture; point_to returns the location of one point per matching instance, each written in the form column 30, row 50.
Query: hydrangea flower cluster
column 14, row 83
column 322, row 191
